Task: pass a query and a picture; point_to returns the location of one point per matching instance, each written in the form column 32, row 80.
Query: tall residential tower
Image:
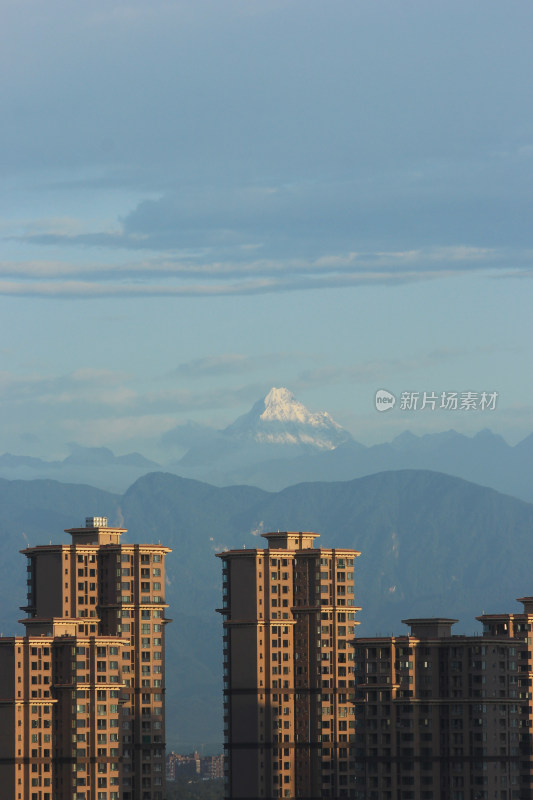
column 82, row 711
column 289, row 626
column 444, row 717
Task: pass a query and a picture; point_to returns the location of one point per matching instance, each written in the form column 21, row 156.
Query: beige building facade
column 444, row 717
column 289, row 686
column 82, row 713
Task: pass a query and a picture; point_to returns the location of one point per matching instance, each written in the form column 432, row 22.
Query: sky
column 200, row 200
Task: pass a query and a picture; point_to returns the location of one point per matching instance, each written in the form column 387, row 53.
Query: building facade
column 289, row 685
column 193, row 765
column 444, row 717
column 82, row 713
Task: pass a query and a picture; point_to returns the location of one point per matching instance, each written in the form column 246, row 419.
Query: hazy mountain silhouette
column 431, row 545
column 280, row 443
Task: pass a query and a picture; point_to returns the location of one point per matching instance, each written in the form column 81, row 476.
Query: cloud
column 108, row 430
column 97, row 407
column 152, row 414
column 231, row 364
column 190, row 434
column 227, row 364
column 110, row 401
column 185, row 401
column 92, row 386
column 174, row 277
column 257, row 531
column 51, row 406
column 372, row 371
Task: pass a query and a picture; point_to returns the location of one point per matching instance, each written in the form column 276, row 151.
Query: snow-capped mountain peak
column 279, row 418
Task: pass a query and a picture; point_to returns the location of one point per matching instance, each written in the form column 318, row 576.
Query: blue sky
column 201, row 200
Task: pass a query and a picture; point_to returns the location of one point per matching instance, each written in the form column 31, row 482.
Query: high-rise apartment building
column 82, row 712
column 444, row 717
column 289, row 626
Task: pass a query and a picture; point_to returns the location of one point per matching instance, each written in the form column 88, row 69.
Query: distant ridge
column 280, row 443
column 277, row 426
column 281, row 419
column 431, row 545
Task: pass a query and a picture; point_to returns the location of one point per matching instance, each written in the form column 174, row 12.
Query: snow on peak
column 282, row 406
column 281, row 419
column 280, row 397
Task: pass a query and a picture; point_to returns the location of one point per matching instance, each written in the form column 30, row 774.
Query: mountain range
column 431, row 544
column 279, row 443
column 277, row 427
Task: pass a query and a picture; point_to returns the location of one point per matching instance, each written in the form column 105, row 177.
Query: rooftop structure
column 82, row 713
column 289, row 624
column 443, row 717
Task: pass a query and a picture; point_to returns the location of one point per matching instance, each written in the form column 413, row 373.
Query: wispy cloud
column 226, row 364
column 105, row 393
column 371, row 371
column 154, row 415
column 232, row 364
column 173, row 277
column 91, row 386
